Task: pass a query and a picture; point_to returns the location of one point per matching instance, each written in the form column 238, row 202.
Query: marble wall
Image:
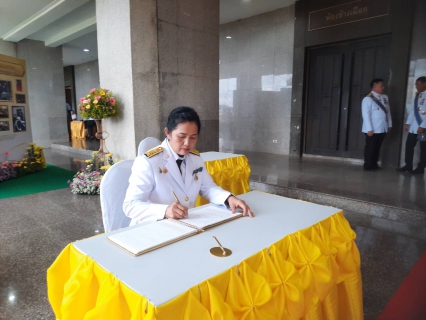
column 417, row 68
column 188, row 47
column 256, row 67
column 46, row 91
column 8, row 48
column 86, row 77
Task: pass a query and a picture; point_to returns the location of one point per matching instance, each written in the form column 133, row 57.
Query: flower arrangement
column 98, row 104
column 7, row 171
column 87, row 180
column 33, row 161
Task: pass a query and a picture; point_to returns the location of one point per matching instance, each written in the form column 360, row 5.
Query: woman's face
column 183, row 138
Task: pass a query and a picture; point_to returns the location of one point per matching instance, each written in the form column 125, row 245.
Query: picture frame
column 4, row 112
column 18, row 85
column 20, row 98
column 4, row 125
column 19, row 120
column 5, row 90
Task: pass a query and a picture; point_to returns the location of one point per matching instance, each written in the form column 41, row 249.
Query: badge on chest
column 195, row 172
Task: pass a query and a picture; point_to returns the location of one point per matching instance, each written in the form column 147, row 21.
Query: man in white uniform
column 377, row 121
column 416, row 117
column 174, row 166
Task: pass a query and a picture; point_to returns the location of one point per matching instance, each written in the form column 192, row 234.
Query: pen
column 174, row 195
column 223, row 250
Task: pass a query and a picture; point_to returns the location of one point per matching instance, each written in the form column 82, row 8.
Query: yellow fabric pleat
column 231, row 174
column 312, row 274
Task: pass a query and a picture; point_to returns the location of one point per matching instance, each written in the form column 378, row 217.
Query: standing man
column 377, row 121
column 416, row 117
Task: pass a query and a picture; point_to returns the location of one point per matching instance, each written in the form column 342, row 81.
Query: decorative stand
column 101, row 135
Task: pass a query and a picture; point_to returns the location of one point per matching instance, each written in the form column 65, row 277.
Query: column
column 157, row 55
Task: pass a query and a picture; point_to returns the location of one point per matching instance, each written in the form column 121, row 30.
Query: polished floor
column 35, row 228
column 340, row 178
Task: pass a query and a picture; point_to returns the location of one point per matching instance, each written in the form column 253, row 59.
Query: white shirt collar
column 175, row 155
column 376, row 94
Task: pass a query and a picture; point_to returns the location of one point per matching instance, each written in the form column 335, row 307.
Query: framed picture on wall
column 5, row 90
column 4, row 125
column 20, row 98
column 18, row 85
column 19, row 123
column 4, row 112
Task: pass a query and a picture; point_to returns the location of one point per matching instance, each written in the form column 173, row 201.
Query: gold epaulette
column 154, row 151
column 369, row 95
column 193, row 151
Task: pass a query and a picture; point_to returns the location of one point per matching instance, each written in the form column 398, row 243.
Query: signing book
column 158, row 234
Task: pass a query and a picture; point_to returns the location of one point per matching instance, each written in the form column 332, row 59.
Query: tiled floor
column 35, row 228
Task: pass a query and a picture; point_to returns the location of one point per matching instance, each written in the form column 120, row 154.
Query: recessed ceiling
column 72, row 23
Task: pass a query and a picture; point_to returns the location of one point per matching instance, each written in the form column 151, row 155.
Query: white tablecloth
column 175, row 268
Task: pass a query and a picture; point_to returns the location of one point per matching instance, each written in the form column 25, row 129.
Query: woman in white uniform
column 174, row 166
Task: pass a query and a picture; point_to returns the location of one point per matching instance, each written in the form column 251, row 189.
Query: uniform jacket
column 149, row 192
column 411, row 120
column 374, row 118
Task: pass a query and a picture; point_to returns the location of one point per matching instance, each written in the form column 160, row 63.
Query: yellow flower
column 37, row 153
column 87, row 107
column 88, row 96
column 117, row 159
column 38, row 161
column 102, row 93
column 29, row 148
column 102, row 159
column 32, row 162
column 25, row 167
column 95, row 101
column 88, row 161
column 109, row 155
column 94, row 152
column 32, row 144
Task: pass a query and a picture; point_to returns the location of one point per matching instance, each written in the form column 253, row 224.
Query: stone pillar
column 46, row 91
column 168, row 55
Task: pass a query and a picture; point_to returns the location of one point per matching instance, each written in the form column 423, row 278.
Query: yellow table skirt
column 231, row 174
column 312, row 274
column 77, row 129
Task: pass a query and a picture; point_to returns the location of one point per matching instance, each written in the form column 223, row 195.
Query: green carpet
column 51, row 178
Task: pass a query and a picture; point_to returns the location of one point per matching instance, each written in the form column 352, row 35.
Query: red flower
column 7, row 153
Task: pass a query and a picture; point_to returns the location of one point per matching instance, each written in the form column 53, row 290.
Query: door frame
column 344, row 96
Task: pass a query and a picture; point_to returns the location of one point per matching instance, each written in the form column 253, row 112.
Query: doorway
column 339, row 78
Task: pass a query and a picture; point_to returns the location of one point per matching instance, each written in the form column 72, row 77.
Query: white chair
column 146, row 144
column 113, row 191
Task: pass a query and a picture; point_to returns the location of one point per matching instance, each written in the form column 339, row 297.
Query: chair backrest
column 146, row 144
column 113, row 191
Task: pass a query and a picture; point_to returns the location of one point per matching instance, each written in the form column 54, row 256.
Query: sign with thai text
column 347, row 13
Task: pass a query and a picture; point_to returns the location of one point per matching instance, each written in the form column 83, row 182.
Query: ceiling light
column 86, row 50
column 228, row 37
column 11, row 297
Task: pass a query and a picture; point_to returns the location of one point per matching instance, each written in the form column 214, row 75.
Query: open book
column 158, row 234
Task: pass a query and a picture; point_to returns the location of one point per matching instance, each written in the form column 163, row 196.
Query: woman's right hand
column 176, row 211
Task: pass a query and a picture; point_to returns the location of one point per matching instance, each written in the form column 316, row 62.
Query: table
column 229, row 171
column 77, row 130
column 293, row 259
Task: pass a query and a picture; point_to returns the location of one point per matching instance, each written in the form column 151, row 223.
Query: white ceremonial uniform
column 374, row 118
column 411, row 120
column 153, row 179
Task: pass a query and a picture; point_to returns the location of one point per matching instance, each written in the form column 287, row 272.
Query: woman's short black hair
column 180, row 115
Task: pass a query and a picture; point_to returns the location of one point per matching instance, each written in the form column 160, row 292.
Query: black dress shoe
column 378, row 168
column 404, row 169
column 418, row 171
column 371, row 170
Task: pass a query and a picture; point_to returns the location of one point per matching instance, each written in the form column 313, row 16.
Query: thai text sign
column 347, row 13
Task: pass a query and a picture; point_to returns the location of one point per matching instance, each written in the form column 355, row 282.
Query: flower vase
column 101, row 134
